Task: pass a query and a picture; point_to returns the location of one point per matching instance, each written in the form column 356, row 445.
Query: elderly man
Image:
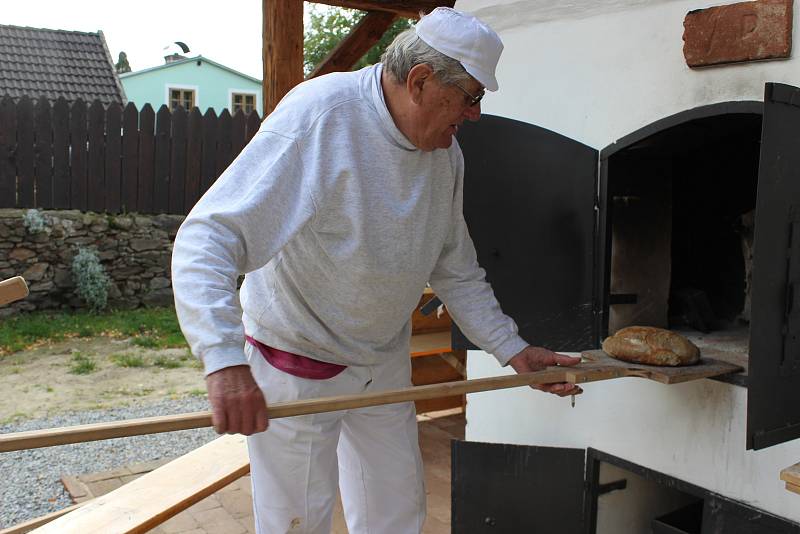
column 343, row 206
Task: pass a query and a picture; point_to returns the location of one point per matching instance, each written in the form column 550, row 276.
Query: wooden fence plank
column 209, row 168
column 147, row 124
column 237, row 133
column 25, row 153
column 161, row 179
column 130, row 157
column 252, row 125
column 61, row 179
column 77, row 156
column 223, row 141
column 43, row 161
column 8, row 145
column 177, row 167
column 194, row 147
column 96, row 178
column 113, row 159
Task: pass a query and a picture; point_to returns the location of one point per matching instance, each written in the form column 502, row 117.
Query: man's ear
column 418, row 76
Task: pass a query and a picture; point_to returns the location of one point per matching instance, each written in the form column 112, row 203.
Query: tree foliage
column 329, row 25
column 122, row 64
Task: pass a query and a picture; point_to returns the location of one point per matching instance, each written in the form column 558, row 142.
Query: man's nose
column 473, row 113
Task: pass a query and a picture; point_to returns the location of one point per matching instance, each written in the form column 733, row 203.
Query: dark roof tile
column 53, row 63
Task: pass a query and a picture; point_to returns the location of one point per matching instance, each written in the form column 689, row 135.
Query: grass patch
column 166, row 362
column 197, row 392
column 82, row 364
column 150, row 327
column 128, row 360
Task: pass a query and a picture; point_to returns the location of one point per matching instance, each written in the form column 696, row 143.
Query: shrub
column 166, row 362
column 34, row 221
column 81, row 364
column 128, row 360
column 90, row 279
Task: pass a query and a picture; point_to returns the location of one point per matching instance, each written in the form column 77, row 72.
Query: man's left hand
column 532, row 359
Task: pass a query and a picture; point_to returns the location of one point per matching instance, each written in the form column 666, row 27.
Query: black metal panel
column 723, row 516
column 512, row 489
column 773, row 410
column 529, row 200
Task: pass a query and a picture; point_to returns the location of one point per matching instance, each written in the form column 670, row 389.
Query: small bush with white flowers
column 91, row 279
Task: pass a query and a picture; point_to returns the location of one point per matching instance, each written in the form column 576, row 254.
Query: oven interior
column 682, row 217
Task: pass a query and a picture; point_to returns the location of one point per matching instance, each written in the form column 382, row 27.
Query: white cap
column 464, row 38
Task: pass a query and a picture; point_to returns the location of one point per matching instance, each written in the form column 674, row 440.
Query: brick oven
column 640, row 165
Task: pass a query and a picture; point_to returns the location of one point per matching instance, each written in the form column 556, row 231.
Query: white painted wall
column 599, row 78
column 596, row 72
column 693, row 431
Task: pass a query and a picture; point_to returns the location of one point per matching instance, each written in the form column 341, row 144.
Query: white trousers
column 373, row 454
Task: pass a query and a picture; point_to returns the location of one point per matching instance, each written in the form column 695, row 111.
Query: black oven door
column 529, row 202
column 773, row 410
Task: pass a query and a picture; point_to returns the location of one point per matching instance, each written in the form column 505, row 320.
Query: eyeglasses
column 473, row 100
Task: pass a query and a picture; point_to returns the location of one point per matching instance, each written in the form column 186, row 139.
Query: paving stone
column 206, row 504
column 182, row 522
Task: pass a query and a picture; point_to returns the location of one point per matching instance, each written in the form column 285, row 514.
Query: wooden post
column 282, row 53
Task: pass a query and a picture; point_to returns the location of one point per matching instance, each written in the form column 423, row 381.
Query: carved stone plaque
column 746, row 31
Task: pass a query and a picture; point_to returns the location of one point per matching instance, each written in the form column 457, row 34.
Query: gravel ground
column 31, row 480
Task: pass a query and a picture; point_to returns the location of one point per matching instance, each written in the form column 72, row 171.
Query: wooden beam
column 404, row 8
column 282, row 52
column 367, row 32
column 148, row 501
column 13, row 289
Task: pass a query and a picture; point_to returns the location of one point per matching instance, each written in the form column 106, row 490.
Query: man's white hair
column 408, row 50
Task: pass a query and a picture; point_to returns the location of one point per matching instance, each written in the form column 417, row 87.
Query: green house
column 193, row 82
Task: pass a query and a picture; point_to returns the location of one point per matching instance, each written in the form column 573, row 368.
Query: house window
column 181, row 97
column 244, row 101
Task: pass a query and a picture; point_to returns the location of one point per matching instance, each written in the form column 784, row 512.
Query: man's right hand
column 237, row 404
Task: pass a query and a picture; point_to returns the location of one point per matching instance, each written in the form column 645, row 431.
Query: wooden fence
column 113, row 159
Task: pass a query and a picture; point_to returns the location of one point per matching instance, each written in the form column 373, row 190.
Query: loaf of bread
column 651, row 346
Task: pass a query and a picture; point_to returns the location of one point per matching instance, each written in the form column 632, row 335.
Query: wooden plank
column 24, row 154
column 208, row 172
column 252, row 124
column 177, row 167
column 434, row 370
column 43, row 133
column 223, row 141
column 362, row 37
column 61, row 182
column 31, row 524
column 794, row 488
column 430, row 343
column 113, row 158
column 791, row 474
column 96, row 178
column 409, row 9
column 78, row 189
column 151, row 425
column 237, row 133
column 147, row 126
column 13, row 289
column 707, row 367
column 130, row 158
column 282, row 50
column 194, row 154
column 151, row 499
column 8, row 145
column 161, row 171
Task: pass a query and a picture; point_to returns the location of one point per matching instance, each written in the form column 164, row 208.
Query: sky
column 228, row 32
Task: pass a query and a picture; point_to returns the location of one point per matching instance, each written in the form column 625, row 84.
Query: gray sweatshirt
column 338, row 222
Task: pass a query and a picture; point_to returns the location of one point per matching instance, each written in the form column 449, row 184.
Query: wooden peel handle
column 13, row 289
column 168, row 423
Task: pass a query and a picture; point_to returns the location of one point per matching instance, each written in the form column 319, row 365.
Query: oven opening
column 682, row 222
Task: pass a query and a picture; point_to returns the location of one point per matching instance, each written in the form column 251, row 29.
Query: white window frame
column 182, row 87
column 256, row 94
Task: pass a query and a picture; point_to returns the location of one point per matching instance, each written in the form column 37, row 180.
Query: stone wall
column 134, row 250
